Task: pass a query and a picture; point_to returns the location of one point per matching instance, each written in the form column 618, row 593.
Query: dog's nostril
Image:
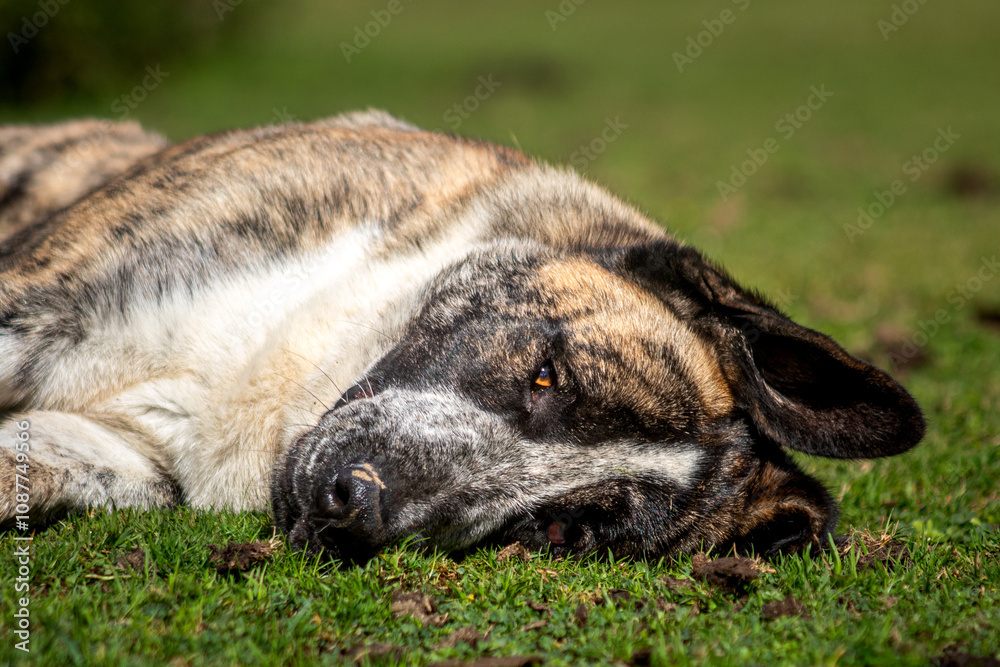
column 352, row 498
column 342, row 491
column 336, row 501
column 329, row 504
column 346, row 516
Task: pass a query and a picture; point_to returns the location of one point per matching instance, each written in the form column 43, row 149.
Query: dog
column 379, row 332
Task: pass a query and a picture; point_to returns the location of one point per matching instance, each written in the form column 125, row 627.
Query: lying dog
column 387, row 332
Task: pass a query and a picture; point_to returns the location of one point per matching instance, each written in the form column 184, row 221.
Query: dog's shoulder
column 219, row 204
column 367, row 118
column 44, row 168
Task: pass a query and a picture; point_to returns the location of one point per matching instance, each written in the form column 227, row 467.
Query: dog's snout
column 352, row 503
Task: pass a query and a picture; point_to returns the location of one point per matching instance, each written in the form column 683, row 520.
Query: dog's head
column 635, row 399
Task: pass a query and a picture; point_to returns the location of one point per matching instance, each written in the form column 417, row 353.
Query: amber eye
column 546, row 377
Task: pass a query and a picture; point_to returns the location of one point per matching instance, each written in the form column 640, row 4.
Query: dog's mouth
column 329, row 497
column 332, row 528
column 341, row 545
column 318, row 535
column 559, row 533
column 345, row 519
column 557, row 537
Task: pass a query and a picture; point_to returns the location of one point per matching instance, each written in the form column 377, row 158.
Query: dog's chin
column 316, row 539
column 540, row 533
column 284, row 506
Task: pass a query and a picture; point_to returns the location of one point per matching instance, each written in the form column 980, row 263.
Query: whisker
column 317, row 366
column 308, row 426
column 364, row 326
column 303, row 388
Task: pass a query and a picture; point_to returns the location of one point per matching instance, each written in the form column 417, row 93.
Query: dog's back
column 45, row 168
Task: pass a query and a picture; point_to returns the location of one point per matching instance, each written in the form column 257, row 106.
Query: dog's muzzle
column 344, row 517
column 383, row 465
column 351, row 506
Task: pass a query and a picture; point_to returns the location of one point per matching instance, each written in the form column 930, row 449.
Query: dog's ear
column 799, row 387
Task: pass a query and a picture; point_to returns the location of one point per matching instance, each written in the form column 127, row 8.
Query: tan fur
column 602, row 302
column 55, row 165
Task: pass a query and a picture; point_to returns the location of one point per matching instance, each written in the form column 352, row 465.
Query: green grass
column 783, row 232
column 88, row 609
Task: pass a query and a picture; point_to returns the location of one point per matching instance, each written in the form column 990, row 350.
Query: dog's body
column 524, row 357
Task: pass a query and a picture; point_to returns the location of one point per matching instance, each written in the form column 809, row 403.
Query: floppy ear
column 799, row 387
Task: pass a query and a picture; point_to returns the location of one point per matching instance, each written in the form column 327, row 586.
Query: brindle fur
column 181, row 323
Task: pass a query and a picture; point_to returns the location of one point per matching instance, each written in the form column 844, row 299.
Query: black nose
column 351, row 505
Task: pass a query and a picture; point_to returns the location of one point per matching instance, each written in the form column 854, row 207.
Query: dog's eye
column 546, row 377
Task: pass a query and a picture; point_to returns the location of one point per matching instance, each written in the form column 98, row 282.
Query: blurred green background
column 661, row 102
column 563, row 69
